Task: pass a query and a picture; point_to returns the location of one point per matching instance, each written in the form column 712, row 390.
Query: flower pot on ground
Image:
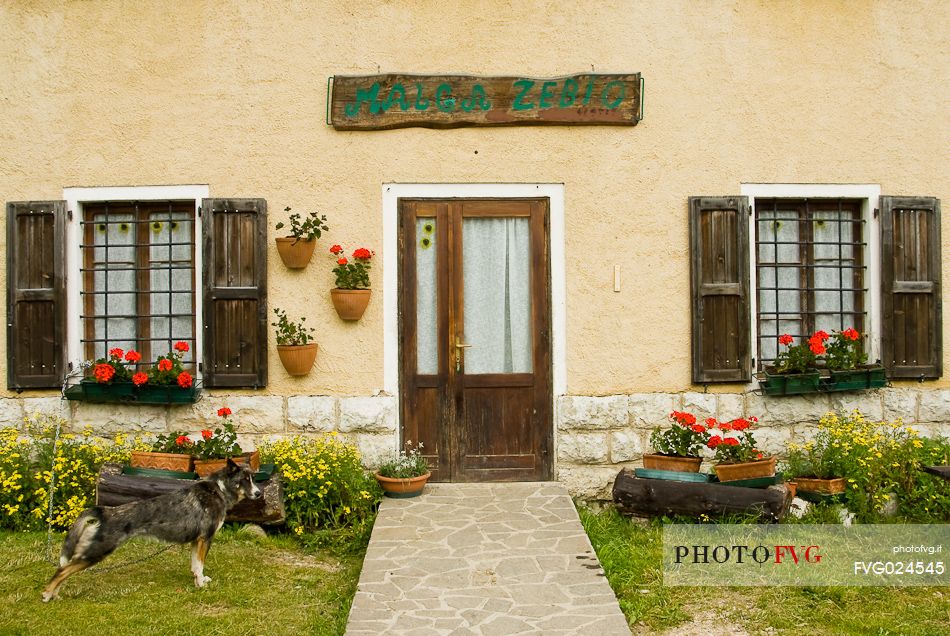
column 205, row 467
column 351, row 294
column 297, row 249
column 821, row 486
column 296, row 352
column 406, row 474
column 677, row 448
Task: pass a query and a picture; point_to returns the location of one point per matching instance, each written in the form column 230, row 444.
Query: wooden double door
column 475, row 337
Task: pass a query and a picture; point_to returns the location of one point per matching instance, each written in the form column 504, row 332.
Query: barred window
column 138, row 277
column 810, row 269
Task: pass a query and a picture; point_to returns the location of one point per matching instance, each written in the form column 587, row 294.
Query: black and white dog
column 190, row 515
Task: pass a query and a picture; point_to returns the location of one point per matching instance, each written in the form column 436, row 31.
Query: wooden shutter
column 36, row 294
column 235, row 292
column 719, row 249
column 910, row 278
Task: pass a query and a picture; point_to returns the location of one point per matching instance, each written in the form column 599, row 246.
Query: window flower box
column 871, row 377
column 789, row 383
column 127, row 393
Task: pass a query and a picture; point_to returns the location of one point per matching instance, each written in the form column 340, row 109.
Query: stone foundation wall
column 595, row 436
column 598, row 436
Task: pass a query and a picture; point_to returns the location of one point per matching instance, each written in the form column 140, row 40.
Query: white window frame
column 392, row 192
column 869, row 194
column 76, row 198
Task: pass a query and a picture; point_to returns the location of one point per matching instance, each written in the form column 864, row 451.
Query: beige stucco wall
column 233, row 94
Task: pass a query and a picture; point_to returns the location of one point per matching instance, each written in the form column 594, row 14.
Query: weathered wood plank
column 115, row 489
column 379, row 102
column 657, row 497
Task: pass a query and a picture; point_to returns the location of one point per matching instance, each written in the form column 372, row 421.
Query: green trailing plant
column 290, row 332
column 308, row 228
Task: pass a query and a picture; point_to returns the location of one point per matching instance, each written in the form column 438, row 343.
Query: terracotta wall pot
column 823, row 486
column 295, row 253
column 205, row 467
column 672, row 462
column 748, row 470
column 402, row 487
column 161, row 461
column 350, row 303
column 297, row 359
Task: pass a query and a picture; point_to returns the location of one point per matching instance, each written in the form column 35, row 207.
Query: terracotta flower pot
column 403, row 487
column 161, row 461
column 350, row 303
column 297, row 359
column 672, row 462
column 295, row 253
column 205, row 467
column 823, row 486
column 747, row 470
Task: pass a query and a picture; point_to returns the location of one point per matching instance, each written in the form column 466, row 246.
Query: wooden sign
column 379, row 102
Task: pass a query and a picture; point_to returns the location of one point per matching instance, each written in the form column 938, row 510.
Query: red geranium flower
column 224, row 411
column 336, row 249
column 785, row 339
column 181, row 346
column 139, row 379
column 699, row 428
column 362, row 253
column 207, row 434
column 730, row 441
column 116, row 353
column 816, row 347
column 165, row 364
column 103, row 372
column 342, row 261
column 714, row 441
column 184, row 380
column 132, row 355
column 851, row 333
column 821, row 335
column 182, row 440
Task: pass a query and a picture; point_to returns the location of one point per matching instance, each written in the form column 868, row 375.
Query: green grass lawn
column 631, row 555
column 260, row 585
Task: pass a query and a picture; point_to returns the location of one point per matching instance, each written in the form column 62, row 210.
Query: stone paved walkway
column 493, row 559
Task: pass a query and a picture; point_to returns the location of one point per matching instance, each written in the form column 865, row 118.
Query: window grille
column 138, row 278
column 810, row 269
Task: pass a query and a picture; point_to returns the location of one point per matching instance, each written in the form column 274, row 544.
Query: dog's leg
column 63, row 573
column 199, row 550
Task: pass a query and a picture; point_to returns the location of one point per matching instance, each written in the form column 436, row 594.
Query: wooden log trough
column 657, row 497
column 114, row 488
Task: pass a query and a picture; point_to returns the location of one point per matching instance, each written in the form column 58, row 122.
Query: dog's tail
column 81, row 531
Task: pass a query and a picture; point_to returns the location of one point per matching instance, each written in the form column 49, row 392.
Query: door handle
column 459, row 347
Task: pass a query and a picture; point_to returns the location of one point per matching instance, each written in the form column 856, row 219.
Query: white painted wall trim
column 75, row 197
column 870, row 193
column 392, row 192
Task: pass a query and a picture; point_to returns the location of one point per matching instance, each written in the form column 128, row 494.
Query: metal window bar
column 143, row 253
column 849, row 268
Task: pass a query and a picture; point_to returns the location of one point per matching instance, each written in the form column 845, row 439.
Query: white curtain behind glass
column 114, row 265
column 427, row 351
column 496, row 268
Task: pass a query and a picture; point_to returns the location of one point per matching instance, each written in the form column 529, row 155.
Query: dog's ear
column 232, row 466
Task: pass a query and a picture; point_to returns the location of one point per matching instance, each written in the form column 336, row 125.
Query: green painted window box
column 128, row 393
column 856, row 379
column 789, row 383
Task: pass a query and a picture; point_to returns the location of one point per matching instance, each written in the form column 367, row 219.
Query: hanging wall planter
column 295, row 252
column 297, row 359
column 350, row 304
